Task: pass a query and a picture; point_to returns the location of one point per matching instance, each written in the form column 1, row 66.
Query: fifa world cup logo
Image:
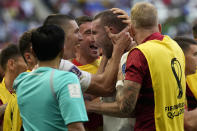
column 177, row 71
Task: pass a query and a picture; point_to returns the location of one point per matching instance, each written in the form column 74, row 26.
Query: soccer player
column 87, row 55
column 13, row 64
column 102, row 19
column 87, row 59
column 25, row 47
column 189, row 47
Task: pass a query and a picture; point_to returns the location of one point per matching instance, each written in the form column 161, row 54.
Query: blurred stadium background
column 17, row 16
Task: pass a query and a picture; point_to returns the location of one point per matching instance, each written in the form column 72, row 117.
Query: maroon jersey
column 137, row 70
column 191, row 100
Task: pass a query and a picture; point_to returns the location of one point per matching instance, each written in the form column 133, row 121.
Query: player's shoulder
column 66, row 65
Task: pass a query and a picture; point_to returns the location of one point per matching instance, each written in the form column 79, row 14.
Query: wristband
column 119, row 83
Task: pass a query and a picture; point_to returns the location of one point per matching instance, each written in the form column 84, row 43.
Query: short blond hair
column 144, row 15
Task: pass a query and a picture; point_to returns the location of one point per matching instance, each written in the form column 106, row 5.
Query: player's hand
column 125, row 18
column 122, row 15
column 121, row 41
column 88, row 105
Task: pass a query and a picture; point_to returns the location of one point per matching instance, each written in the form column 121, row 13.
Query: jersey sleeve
column 84, row 77
column 71, row 102
column 136, row 66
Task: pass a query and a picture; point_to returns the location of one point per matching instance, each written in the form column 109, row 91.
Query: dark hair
column 83, row 19
column 194, row 29
column 185, row 42
column 25, row 42
column 47, row 42
column 9, row 52
column 108, row 18
column 58, row 19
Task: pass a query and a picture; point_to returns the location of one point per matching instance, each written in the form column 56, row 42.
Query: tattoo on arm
column 127, row 96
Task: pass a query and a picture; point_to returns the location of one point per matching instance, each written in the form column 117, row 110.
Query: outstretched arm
column 123, row 106
column 110, row 109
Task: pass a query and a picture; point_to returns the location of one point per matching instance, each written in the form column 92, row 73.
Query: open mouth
column 93, row 47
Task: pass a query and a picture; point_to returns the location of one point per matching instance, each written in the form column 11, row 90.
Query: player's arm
column 111, row 109
column 106, row 108
column 127, row 96
column 104, row 84
column 102, row 65
column 123, row 107
column 77, row 126
column 190, row 120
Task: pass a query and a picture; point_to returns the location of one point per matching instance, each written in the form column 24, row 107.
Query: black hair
column 9, row 52
column 47, row 42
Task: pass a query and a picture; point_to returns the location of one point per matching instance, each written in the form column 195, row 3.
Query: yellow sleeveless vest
column 91, row 68
column 166, row 63
column 12, row 120
column 5, row 95
column 192, row 83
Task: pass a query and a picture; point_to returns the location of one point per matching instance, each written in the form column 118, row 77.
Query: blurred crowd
column 17, row 16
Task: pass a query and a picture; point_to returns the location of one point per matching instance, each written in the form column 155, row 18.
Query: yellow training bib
column 166, row 63
column 12, row 120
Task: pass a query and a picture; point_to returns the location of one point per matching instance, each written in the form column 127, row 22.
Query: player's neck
column 9, row 79
column 143, row 34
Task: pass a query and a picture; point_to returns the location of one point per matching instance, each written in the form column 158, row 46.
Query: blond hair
column 144, row 15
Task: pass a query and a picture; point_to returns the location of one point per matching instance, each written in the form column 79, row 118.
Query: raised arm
column 102, row 65
column 104, row 84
